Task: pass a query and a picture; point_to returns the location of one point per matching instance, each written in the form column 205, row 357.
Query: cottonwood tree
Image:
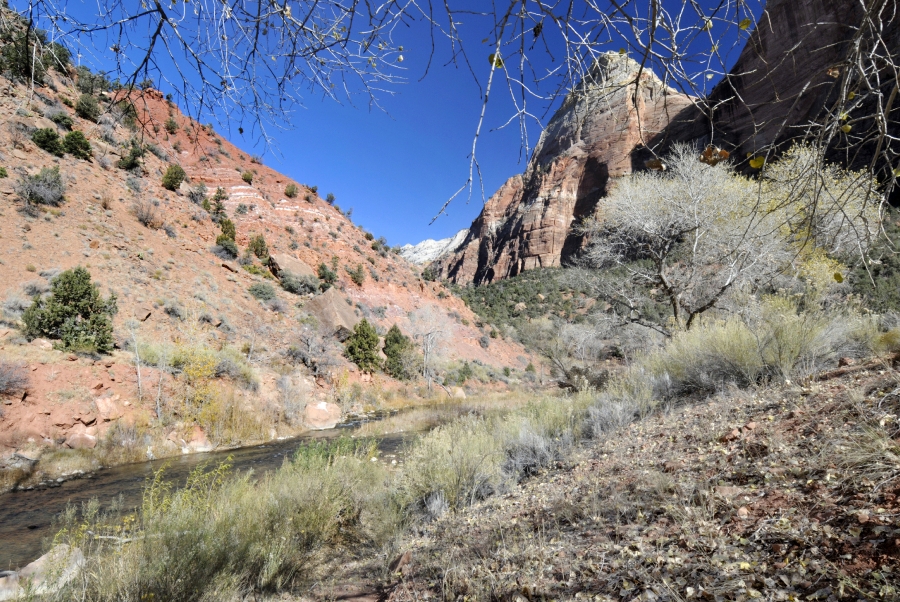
column 691, row 235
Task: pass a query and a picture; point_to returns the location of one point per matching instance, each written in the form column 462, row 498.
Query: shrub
column 258, row 246
column 328, row 277
column 13, row 377
column 74, row 313
column 241, row 209
column 3, row 173
column 47, row 139
column 358, row 275
column 262, row 291
column 330, row 199
column 197, row 194
column 44, row 188
column 362, row 347
column 132, row 159
column 87, row 107
column 171, row 125
column 146, row 214
column 77, row 145
column 247, row 176
column 228, row 246
column 299, row 285
column 62, row 119
column 173, row 177
column 291, row 190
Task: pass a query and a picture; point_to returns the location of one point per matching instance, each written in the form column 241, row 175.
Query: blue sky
column 397, row 167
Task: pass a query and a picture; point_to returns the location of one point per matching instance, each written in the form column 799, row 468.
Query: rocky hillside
column 786, row 77
column 176, row 290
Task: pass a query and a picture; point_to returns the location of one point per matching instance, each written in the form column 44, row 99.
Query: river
column 26, row 517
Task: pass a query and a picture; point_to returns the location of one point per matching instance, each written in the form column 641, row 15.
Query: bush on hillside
column 61, row 118
column 173, row 177
column 262, row 291
column 131, row 160
column 258, row 246
column 171, row 125
column 74, row 313
column 357, row 275
column 77, row 145
column 299, row 285
column 87, row 107
column 44, row 188
column 47, row 139
column 362, row 347
column 197, row 194
column 327, row 276
column 247, row 176
column 291, row 190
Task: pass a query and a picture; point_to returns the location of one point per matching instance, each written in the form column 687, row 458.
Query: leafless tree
column 693, row 234
column 429, row 328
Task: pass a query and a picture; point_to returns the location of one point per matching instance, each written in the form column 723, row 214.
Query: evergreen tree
column 397, row 347
column 362, row 347
column 75, row 313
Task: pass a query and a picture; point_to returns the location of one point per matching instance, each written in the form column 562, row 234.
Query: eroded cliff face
column 528, row 222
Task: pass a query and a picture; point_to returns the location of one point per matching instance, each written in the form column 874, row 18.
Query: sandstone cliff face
column 787, row 76
column 528, row 222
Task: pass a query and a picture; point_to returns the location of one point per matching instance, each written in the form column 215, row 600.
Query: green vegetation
column 74, row 313
column 400, row 353
column 87, row 107
column 63, row 120
column 3, row 173
column 262, row 291
column 226, row 238
column 77, row 145
column 357, row 275
column 47, row 139
column 247, row 176
column 327, row 276
column 330, row 199
column 171, row 125
column 258, row 246
column 291, row 190
column 299, row 285
column 132, row 160
column 362, row 347
column 31, row 57
column 173, row 177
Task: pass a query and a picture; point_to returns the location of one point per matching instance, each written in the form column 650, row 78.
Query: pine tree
column 362, row 347
column 397, row 347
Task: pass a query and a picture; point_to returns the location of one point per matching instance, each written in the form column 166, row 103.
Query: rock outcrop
column 528, row 222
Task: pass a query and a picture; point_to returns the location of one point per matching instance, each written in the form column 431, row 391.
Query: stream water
column 26, row 517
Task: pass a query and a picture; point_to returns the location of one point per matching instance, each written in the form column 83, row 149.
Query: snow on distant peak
column 429, row 250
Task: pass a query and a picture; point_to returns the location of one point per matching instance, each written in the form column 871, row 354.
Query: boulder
column 457, row 393
column 282, row 262
column 332, row 311
column 199, row 441
column 108, row 409
column 43, row 576
column 322, row 415
column 81, row 441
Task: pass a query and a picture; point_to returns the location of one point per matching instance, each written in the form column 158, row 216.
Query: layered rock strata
column 528, row 223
